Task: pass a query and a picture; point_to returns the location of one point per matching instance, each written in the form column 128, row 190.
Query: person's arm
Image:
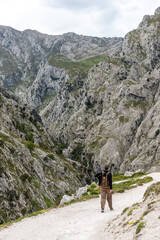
column 99, row 176
column 100, row 180
column 110, row 180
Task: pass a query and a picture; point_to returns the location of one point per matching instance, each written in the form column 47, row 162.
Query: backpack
column 104, row 182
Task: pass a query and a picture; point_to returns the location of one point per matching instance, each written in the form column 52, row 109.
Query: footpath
column 78, row 221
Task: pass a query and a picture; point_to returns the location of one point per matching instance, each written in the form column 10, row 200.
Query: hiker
column 105, row 184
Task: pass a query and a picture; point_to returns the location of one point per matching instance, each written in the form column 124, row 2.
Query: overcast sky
column 103, row 18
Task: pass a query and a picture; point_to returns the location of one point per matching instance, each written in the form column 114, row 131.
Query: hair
column 106, row 167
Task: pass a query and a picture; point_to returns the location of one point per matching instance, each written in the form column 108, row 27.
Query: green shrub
column 35, row 204
column 51, row 156
column 76, row 153
column 29, row 137
column 30, row 145
column 48, row 202
column 21, row 126
column 61, row 147
column 36, row 183
column 24, row 177
column 93, row 185
column 121, row 119
column 4, row 137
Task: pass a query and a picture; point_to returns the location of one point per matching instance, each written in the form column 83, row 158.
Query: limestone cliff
column 33, row 175
column 98, row 97
column 112, row 112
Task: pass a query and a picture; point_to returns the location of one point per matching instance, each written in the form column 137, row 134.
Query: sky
column 102, row 18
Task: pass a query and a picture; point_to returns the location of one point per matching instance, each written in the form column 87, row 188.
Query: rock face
column 26, row 60
column 111, row 115
column 32, row 175
column 139, row 220
column 98, row 97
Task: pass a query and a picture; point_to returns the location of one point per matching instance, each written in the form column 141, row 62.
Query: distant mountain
column 98, row 97
column 111, row 113
column 30, row 62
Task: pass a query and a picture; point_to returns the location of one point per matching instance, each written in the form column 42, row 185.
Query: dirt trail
column 79, row 221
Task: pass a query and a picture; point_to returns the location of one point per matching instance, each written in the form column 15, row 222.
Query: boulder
column 80, row 192
column 66, row 199
column 128, row 174
column 154, row 169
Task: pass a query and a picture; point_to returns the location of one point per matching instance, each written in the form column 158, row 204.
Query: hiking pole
column 112, row 166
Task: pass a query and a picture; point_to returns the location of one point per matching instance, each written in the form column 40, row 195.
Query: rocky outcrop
column 98, row 97
column 139, row 220
column 112, row 113
column 33, row 173
column 28, row 66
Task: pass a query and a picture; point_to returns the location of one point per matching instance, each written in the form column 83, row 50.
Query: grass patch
column 136, row 104
column 77, row 151
column 48, row 97
column 124, row 210
column 75, row 68
column 48, row 202
column 121, row 177
column 51, row 156
column 3, row 137
column 146, row 212
column 85, row 197
column 130, row 212
column 36, row 183
column 139, row 227
column 30, row 137
column 154, row 19
column 135, row 223
column 30, row 145
column 121, row 187
column 153, row 188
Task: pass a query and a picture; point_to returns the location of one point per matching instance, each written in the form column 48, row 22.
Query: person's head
column 106, row 167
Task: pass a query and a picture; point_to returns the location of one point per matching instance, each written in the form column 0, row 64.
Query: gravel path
column 79, row 221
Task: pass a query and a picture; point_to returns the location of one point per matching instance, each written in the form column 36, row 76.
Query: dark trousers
column 106, row 195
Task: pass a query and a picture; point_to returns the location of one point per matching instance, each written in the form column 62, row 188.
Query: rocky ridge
column 111, row 115
column 98, row 97
column 26, row 60
column 33, row 173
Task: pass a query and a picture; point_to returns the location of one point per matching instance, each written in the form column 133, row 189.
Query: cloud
column 79, row 5
column 88, row 17
column 131, row 13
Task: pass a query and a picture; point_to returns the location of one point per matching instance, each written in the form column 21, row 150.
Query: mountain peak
column 157, row 11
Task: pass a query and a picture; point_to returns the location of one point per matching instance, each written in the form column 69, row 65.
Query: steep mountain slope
column 98, row 97
column 112, row 114
column 32, row 175
column 26, row 60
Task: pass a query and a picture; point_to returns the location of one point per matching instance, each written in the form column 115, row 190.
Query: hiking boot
column 102, row 210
